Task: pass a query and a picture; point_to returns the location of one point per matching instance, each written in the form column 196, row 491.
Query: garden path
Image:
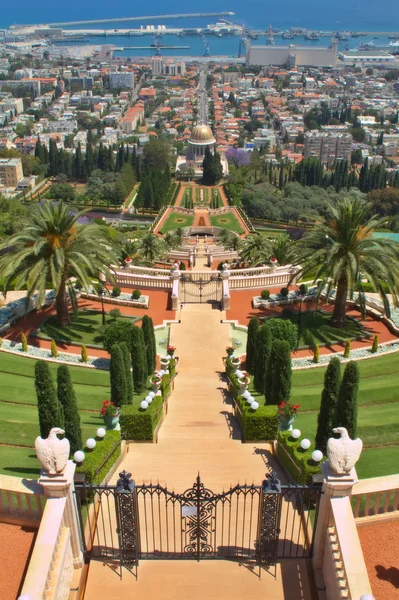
column 200, row 432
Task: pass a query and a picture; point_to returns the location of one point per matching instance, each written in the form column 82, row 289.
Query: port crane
column 242, row 46
column 270, row 35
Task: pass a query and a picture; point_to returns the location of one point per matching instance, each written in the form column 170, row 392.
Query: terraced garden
column 176, row 220
column 19, row 423
column 227, row 221
column 378, row 412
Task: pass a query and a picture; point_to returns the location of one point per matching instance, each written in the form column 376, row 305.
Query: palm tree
column 179, row 234
column 150, row 248
column 51, row 247
column 341, row 251
column 224, row 236
column 233, row 243
column 283, row 248
column 256, row 250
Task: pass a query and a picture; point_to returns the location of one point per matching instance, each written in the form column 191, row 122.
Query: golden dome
column 203, row 134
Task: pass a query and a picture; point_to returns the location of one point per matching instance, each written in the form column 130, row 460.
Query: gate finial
column 125, row 483
column 271, row 483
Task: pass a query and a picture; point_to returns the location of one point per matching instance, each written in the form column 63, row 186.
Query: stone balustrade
column 348, row 564
column 375, row 498
column 21, row 501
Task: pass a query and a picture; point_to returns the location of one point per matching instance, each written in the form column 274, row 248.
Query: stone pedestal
column 334, row 486
column 175, row 277
column 61, row 485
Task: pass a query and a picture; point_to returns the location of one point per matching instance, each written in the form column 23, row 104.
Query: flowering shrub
column 109, row 409
column 245, row 377
column 171, row 349
column 288, row 410
column 156, row 379
column 229, row 350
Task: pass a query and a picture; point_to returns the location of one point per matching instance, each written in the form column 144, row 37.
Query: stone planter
column 235, row 363
column 243, row 384
column 110, row 421
column 156, row 386
column 165, row 363
column 285, row 423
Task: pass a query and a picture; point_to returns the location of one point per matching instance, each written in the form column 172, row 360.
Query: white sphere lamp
column 296, row 434
column 91, row 443
column 152, row 394
column 246, row 394
column 305, row 444
column 101, row 432
column 255, row 405
column 79, row 456
column 148, row 399
column 317, row 455
column 144, row 404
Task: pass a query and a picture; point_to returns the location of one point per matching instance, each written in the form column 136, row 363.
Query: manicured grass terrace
column 176, row 220
column 315, row 328
column 378, row 411
column 84, row 329
column 227, row 221
column 18, row 404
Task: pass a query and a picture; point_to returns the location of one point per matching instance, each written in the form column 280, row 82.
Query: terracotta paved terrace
column 199, row 434
column 380, row 545
column 16, row 544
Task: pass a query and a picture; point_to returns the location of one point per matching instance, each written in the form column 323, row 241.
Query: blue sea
column 312, row 14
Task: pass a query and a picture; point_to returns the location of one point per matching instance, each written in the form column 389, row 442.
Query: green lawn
column 227, row 221
column 176, row 220
column 84, row 329
column 315, row 328
column 378, row 411
column 19, row 422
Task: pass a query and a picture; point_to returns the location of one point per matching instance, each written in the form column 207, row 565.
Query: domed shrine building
column 201, row 138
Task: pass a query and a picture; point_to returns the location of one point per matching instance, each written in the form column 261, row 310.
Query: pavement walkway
column 199, row 435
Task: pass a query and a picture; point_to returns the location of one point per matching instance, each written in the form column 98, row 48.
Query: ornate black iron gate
column 199, row 288
column 259, row 524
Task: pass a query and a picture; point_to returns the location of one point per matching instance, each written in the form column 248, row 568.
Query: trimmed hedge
column 165, row 385
column 139, row 424
column 258, row 425
column 302, row 459
column 94, row 458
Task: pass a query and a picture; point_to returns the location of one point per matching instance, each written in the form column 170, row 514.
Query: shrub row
column 299, row 462
column 96, row 465
column 139, row 424
column 261, row 424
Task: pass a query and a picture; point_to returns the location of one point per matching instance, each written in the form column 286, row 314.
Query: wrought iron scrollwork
column 198, row 511
column 127, row 518
column 269, row 520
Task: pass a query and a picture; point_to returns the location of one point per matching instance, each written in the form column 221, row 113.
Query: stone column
column 175, row 277
column 334, row 486
column 61, row 485
column 226, row 290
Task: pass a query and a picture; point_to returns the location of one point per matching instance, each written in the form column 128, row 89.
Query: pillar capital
column 58, row 485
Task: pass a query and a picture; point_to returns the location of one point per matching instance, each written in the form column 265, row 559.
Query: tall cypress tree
column 253, row 329
column 262, row 354
column 128, row 372
column 329, row 395
column 117, row 376
column 279, row 373
column 67, row 399
column 50, row 411
column 346, row 408
column 149, row 339
column 139, row 360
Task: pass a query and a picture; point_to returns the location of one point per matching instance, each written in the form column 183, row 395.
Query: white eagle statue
column 343, row 453
column 52, row 452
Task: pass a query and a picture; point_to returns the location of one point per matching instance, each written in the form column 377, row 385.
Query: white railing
column 21, row 501
column 345, row 552
column 136, row 270
column 144, row 281
column 375, row 497
column 259, row 282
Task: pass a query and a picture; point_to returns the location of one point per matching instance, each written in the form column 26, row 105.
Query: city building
column 81, row 83
column 201, row 138
column 328, row 147
column 292, row 55
column 10, row 171
column 156, row 65
column 370, row 57
column 175, row 68
column 121, row 80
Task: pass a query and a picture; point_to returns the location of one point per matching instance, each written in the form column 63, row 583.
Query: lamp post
column 299, row 317
column 102, row 292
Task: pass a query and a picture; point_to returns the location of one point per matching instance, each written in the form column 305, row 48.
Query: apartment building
column 156, row 65
column 121, row 80
column 10, row 171
column 328, row 147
